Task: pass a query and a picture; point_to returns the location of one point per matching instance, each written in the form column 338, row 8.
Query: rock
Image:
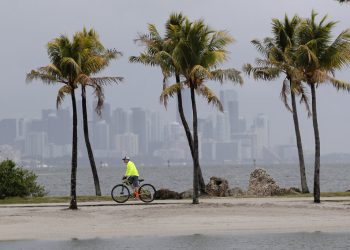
column 261, row 183
column 217, row 187
column 295, row 190
column 187, row 194
column 164, row 194
column 235, row 192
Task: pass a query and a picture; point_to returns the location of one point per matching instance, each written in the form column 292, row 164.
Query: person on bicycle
column 132, row 175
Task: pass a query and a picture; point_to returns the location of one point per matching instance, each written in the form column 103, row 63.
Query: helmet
column 126, row 158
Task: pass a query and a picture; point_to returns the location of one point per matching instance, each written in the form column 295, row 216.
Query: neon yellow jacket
column 131, row 169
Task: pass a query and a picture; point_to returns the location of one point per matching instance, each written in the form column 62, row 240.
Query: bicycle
column 121, row 193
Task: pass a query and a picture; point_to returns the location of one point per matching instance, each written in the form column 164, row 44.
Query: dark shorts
column 134, row 180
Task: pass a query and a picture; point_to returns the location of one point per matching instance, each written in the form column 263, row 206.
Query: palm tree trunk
column 73, row 194
column 304, row 187
column 317, row 147
column 189, row 136
column 88, row 145
column 195, row 148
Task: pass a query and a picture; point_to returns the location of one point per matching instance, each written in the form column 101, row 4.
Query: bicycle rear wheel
column 120, row 193
column 147, row 192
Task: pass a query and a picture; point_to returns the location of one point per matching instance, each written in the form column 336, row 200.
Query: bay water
column 334, row 177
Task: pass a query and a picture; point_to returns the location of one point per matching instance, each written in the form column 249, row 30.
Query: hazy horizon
column 27, row 26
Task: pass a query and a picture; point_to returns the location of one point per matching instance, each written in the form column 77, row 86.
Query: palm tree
column 278, row 58
column 96, row 58
column 319, row 57
column 198, row 55
column 159, row 52
column 64, row 69
column 72, row 63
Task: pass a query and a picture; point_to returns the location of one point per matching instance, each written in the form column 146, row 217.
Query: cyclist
column 132, row 175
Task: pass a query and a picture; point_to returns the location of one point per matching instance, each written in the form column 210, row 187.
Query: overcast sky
column 26, row 27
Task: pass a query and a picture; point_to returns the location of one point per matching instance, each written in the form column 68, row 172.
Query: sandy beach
column 175, row 217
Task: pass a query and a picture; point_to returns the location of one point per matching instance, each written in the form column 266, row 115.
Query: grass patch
column 51, row 199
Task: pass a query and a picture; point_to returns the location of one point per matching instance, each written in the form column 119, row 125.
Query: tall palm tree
column 95, row 59
column 159, row 52
column 72, row 63
column 278, row 58
column 318, row 56
column 64, row 69
column 198, row 55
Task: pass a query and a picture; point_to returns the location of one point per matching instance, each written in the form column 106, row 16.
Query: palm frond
column 104, row 80
column 210, row 96
column 200, row 72
column 62, row 92
column 222, row 75
column 42, row 75
column 285, row 91
column 262, row 73
column 99, row 95
column 338, row 84
column 169, row 92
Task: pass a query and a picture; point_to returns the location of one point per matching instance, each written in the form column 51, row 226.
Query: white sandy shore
column 164, row 218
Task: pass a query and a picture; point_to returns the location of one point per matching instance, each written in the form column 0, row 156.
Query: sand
column 175, row 217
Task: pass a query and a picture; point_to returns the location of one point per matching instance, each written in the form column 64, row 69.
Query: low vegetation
column 18, row 182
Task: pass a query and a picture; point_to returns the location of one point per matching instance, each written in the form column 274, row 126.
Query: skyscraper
column 138, row 126
column 127, row 144
column 262, row 130
column 101, row 135
column 229, row 100
column 119, row 124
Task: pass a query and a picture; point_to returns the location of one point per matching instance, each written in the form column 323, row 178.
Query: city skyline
column 140, row 132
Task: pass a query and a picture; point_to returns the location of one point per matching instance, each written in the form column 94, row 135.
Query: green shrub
column 16, row 181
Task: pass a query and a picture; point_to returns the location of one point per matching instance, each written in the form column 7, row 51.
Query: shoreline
column 218, row 216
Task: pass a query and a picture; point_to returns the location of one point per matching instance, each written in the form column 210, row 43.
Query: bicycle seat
column 141, row 180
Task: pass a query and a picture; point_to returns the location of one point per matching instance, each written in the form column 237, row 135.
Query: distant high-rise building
column 172, row 131
column 222, row 128
column 64, row 127
column 207, row 130
column 119, row 121
column 155, row 126
column 119, row 124
column 127, row 144
column 35, row 125
column 138, row 125
column 36, row 145
column 261, row 128
column 101, row 135
column 229, row 100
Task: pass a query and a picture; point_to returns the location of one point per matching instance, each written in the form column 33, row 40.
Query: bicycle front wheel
column 147, row 193
column 120, row 193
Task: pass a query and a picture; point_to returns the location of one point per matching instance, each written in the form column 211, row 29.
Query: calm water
column 179, row 178
column 292, row 241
